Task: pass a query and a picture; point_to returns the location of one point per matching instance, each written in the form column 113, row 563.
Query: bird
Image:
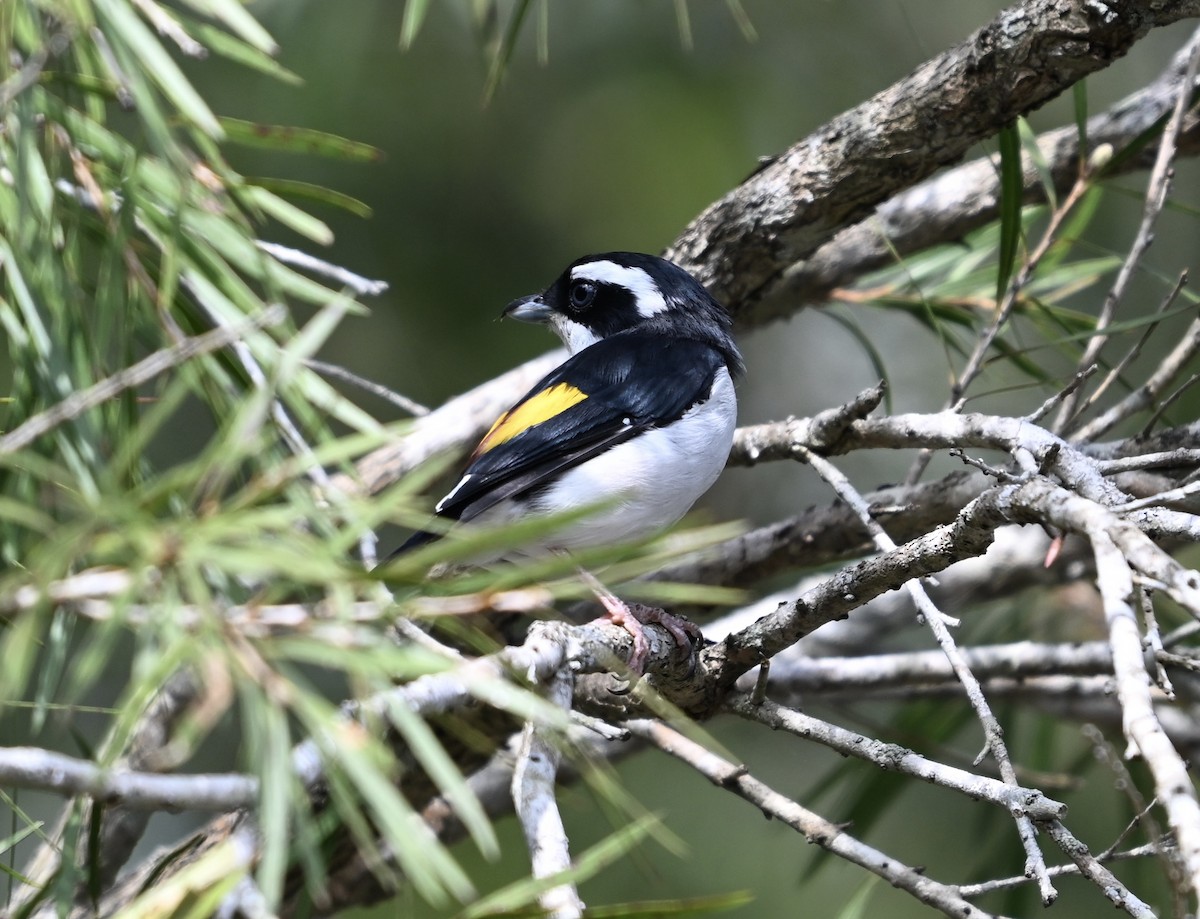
column 637, row 423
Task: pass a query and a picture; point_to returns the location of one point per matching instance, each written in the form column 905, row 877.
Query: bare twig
column 1161, row 409
column 1011, row 296
column 1075, row 382
column 1093, row 869
column 1012, row 798
column 1128, row 358
column 1020, row 660
column 1165, row 497
column 1154, row 642
column 816, row 829
column 1156, row 199
column 341, row 373
column 1141, row 725
column 1184, row 456
column 1035, row 863
column 363, row 287
column 1106, row 754
column 533, row 796
column 1147, row 394
column 1140, row 910
column 31, row 767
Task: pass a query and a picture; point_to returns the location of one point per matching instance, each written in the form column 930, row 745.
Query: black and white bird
column 637, row 422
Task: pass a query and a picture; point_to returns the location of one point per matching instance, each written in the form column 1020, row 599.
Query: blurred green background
column 616, row 142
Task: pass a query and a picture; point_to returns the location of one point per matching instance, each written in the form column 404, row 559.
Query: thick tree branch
column 1028, row 55
column 948, row 206
column 1140, row 724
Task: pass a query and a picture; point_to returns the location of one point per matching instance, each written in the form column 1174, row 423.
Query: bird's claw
column 619, row 614
column 633, row 618
column 685, row 632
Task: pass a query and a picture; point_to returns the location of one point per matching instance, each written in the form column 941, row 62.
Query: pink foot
column 633, row 619
column 619, row 614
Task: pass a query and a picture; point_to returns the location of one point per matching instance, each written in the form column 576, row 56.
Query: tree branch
column 1026, row 56
column 816, row 829
column 1141, row 725
column 952, row 204
column 534, row 802
column 31, row 767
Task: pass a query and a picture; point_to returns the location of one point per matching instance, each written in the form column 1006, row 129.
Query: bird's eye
column 582, row 294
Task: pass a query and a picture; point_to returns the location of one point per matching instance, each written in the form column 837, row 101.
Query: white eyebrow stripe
column 647, row 296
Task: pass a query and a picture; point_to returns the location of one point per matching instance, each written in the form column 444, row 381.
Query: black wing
column 599, row 397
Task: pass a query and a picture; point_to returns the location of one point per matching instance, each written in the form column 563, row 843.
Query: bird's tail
column 418, row 539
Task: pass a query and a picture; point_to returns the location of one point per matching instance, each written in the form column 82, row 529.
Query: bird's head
column 602, row 295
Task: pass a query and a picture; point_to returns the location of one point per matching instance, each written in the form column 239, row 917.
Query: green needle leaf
column 1011, row 191
column 291, row 139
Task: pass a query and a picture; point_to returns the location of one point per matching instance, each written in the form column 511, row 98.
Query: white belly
column 645, row 484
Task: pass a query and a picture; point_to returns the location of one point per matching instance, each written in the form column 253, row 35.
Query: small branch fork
column 1035, row 863
column 1028, row 803
column 816, row 829
column 1156, row 199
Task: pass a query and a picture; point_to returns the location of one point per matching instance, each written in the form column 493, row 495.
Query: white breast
column 653, row 478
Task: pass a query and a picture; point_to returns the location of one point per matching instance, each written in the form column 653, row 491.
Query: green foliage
column 124, row 229
column 499, row 34
column 952, row 289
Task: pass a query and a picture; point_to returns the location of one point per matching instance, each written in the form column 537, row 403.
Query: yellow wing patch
column 534, row 410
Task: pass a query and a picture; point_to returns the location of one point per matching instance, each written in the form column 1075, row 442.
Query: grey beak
column 529, row 309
